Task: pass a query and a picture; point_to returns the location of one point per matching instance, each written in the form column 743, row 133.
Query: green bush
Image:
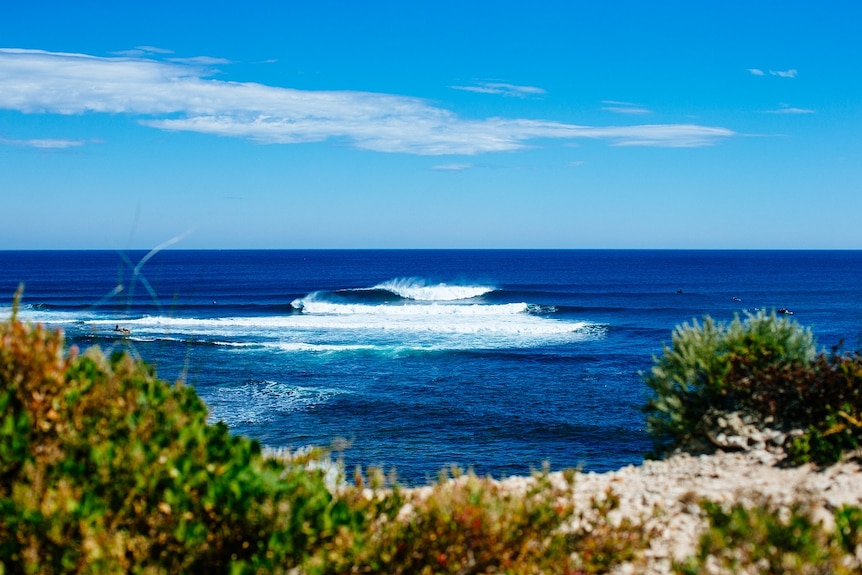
column 765, row 366
column 765, row 541
column 468, row 524
column 823, row 398
column 105, row 468
column 699, row 370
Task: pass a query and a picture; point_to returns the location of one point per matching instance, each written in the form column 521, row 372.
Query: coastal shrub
column 701, row 369
column 823, row 398
column 764, row 540
column 105, row 468
column 468, row 524
column 763, row 366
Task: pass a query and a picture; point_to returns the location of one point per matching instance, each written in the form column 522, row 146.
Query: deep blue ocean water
column 498, row 361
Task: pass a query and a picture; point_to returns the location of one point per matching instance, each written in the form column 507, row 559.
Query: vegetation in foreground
column 763, row 366
column 105, row 468
column 766, row 541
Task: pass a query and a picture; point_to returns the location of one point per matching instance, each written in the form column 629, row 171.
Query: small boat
column 785, row 311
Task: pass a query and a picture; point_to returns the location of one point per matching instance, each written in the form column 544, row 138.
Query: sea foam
column 419, row 290
column 422, row 316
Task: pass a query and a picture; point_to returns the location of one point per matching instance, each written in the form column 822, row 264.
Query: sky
column 448, row 124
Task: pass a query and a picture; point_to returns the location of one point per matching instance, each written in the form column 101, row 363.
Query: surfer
column 122, row 330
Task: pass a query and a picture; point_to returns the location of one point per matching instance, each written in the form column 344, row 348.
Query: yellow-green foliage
column 468, row 524
column 767, row 541
column 105, row 468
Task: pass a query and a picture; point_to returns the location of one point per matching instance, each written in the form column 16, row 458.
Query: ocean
column 500, row 361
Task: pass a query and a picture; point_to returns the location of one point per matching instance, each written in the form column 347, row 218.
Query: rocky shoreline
column 745, row 466
column 743, row 462
column 677, row 484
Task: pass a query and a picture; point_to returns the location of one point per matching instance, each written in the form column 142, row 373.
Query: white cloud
column 154, row 49
column 452, row 167
column 200, row 61
column 780, row 73
column 783, row 73
column 143, row 51
column 502, row 88
column 786, row 109
column 180, row 96
column 623, row 110
column 618, row 107
column 660, row 135
column 43, row 143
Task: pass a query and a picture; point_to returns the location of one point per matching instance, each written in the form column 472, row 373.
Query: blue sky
column 548, row 124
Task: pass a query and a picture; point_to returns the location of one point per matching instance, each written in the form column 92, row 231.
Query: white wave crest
column 322, row 348
column 324, row 326
column 30, row 314
column 417, row 289
column 377, row 329
column 314, row 306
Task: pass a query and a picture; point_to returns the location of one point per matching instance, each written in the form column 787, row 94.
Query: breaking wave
column 396, row 315
column 419, row 290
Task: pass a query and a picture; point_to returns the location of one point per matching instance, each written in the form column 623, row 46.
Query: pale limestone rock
column 665, row 494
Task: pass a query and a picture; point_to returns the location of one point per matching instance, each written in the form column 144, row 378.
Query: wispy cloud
column 787, row 109
column 138, row 51
column 783, row 73
column 181, row 96
column 452, row 167
column 200, row 61
column 503, row 89
column 660, row 135
column 43, row 143
column 618, row 107
column 780, row 73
